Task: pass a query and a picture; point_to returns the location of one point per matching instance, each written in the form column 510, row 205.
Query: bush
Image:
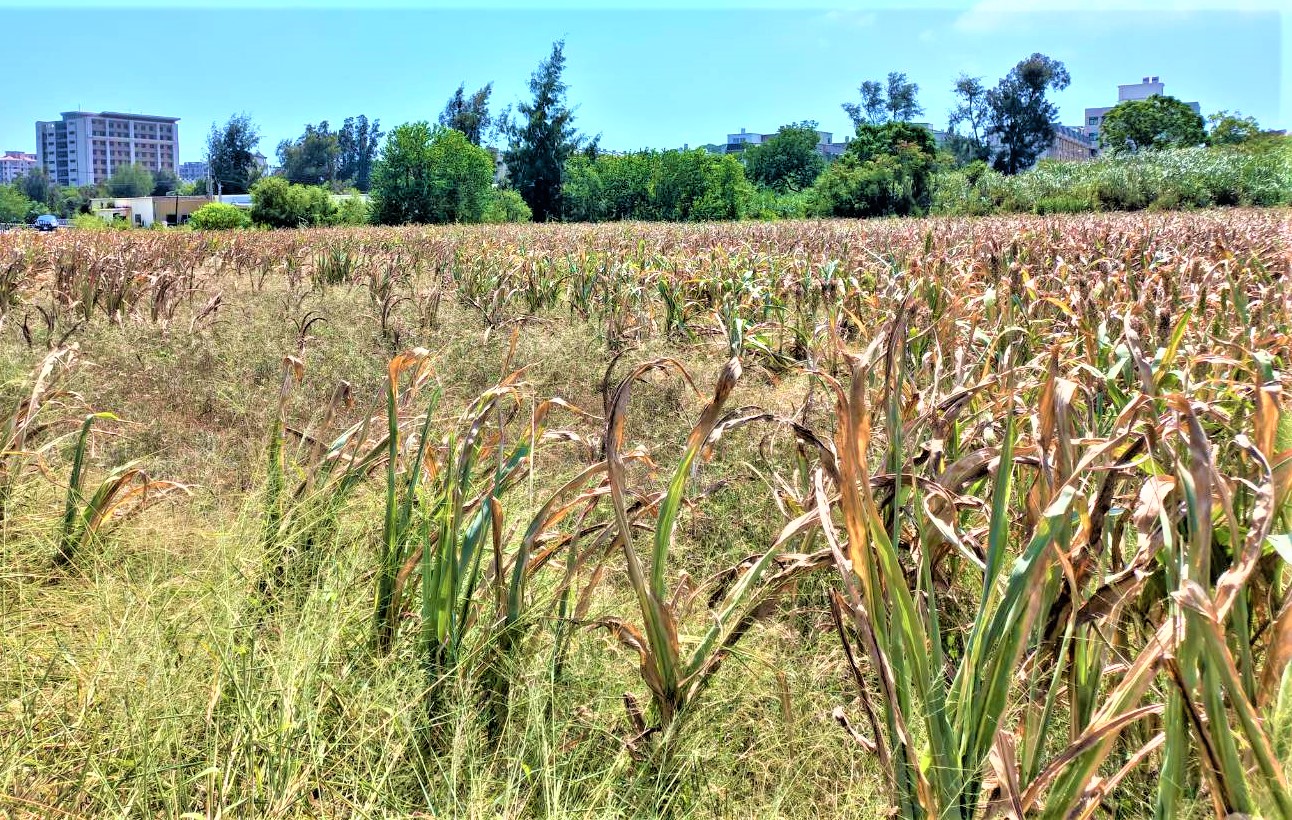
column 506, row 205
column 219, row 216
column 1161, row 180
column 430, row 175
column 886, row 171
column 353, row 211
column 277, row 203
column 90, row 222
column 669, row 186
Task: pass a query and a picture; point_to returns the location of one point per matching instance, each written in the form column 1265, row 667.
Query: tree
column 37, row 186
column 882, row 103
column 789, row 161
column 430, row 174
column 1020, row 117
column 470, row 115
column 539, row 146
column 360, row 142
column 1149, row 125
column 970, row 113
column 230, row 153
column 1232, row 129
column 886, row 170
column 14, row 205
column 165, row 181
column 314, row 158
column 129, row 180
column 219, row 216
column 280, row 204
column 673, row 186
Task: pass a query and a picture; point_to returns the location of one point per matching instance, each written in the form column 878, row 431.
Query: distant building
column 1070, row 145
column 739, row 142
column 1142, row 90
column 15, row 164
column 84, row 148
column 193, row 171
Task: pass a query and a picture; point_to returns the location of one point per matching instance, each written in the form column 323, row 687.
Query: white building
column 84, row 148
column 1142, row 90
column 825, row 142
column 15, row 164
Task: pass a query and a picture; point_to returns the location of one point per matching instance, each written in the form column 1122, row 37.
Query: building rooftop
column 149, row 117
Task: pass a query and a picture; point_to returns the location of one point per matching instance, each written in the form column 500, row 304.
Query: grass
column 1024, row 469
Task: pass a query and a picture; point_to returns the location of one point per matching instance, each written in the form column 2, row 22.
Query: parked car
column 46, row 222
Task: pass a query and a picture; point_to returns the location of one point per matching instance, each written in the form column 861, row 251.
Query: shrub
column 280, row 204
column 219, row 216
column 353, row 210
column 886, row 171
column 90, row 222
column 506, row 205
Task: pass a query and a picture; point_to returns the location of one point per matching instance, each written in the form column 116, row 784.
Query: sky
column 640, row 75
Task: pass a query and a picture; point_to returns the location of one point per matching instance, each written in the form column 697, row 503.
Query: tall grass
column 1008, row 499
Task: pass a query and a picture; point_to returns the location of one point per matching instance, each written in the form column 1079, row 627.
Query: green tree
column 969, row 115
column 887, row 170
column 539, row 145
column 219, row 216
column 789, row 161
column 165, row 181
column 281, row 204
column 1021, row 118
column 505, row 205
column 129, row 180
column 360, row 142
column 37, row 186
column 470, row 115
column 314, row 158
column 14, row 205
column 231, row 154
column 881, row 103
column 1149, row 125
column 1231, row 129
column 353, row 210
column 430, row 174
column 672, row 186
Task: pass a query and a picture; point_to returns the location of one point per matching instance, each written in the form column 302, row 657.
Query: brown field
column 949, row 518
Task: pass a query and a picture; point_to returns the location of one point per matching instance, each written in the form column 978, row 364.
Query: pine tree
column 539, row 145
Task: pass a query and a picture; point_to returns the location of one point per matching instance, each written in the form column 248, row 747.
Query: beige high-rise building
column 84, row 148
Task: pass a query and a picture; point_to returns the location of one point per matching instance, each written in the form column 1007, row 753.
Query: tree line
column 544, row 169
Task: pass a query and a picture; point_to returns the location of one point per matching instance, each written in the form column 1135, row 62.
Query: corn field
column 933, row 518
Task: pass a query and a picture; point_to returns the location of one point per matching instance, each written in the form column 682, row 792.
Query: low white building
column 15, row 164
column 144, row 211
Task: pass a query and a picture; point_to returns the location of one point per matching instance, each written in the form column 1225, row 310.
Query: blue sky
column 642, row 75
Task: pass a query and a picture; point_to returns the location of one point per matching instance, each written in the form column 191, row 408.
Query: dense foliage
column 277, row 203
column 1181, row 178
column 1150, row 125
column 431, row 174
column 887, row 170
column 670, row 186
column 789, row 161
column 219, row 216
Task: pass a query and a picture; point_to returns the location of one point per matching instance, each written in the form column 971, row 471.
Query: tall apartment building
column 15, row 164
column 1141, row 90
column 84, row 148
